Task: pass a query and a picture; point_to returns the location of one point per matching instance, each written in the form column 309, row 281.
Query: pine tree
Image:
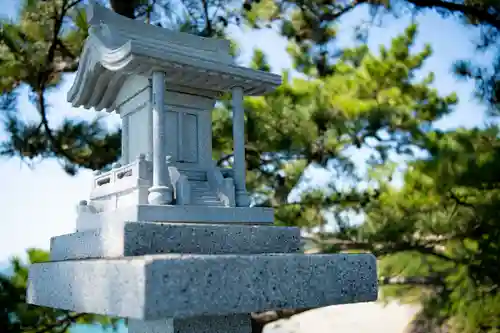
column 17, row 316
column 308, row 27
column 437, row 237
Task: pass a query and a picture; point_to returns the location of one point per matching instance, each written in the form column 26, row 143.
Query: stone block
column 179, row 214
column 180, row 286
column 143, row 238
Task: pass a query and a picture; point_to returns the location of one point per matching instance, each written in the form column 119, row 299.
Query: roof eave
column 107, row 59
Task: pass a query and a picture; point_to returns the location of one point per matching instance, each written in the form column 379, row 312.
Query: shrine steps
column 195, row 175
column 202, row 195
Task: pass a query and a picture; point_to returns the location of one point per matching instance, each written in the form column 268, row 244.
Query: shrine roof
column 118, row 47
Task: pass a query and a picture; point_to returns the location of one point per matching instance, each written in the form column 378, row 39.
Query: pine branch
column 480, row 13
column 383, row 249
column 66, row 66
column 44, row 77
column 56, row 145
column 411, row 280
column 208, row 31
column 224, row 159
column 65, row 322
column 331, row 16
column 71, row 5
column 64, row 50
column 459, row 201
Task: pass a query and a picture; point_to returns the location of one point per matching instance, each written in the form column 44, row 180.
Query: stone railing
column 122, row 185
column 180, row 184
column 222, row 182
column 119, row 187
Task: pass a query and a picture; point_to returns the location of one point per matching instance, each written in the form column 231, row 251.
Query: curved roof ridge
column 116, row 48
column 97, row 14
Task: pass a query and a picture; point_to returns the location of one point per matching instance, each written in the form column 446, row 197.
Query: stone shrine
column 167, row 238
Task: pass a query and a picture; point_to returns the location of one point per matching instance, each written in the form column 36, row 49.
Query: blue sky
column 39, row 203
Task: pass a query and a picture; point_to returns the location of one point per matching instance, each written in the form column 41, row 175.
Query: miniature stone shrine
column 167, row 238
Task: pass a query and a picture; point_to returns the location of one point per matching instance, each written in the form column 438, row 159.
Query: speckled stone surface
column 179, row 286
column 143, row 238
column 239, row 323
column 180, row 214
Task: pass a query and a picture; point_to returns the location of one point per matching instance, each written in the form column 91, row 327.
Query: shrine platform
column 176, row 214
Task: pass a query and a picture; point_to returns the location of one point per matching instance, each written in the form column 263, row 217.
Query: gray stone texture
column 187, row 214
column 240, row 323
column 179, row 286
column 143, row 238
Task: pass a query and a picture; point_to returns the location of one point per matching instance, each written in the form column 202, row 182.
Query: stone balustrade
column 122, row 185
column 128, row 184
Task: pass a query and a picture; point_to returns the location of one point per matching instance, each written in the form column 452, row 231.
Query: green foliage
column 439, row 234
column 309, row 122
column 310, row 28
column 436, row 238
column 17, row 316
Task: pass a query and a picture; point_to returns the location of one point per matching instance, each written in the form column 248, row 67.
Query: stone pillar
column 241, row 195
column 125, row 136
column 161, row 192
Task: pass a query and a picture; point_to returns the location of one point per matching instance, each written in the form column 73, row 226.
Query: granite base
column 180, row 286
column 142, row 238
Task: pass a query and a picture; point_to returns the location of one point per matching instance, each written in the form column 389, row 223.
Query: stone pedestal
column 193, row 277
